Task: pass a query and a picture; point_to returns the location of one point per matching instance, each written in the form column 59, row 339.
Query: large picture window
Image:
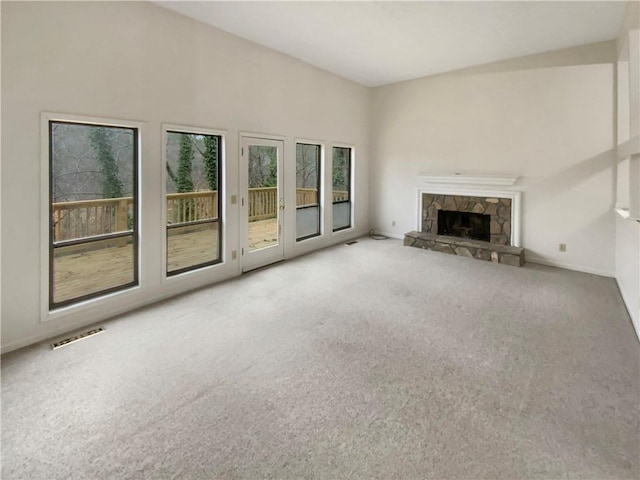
column 194, row 231
column 341, row 181
column 93, row 228
column 308, row 176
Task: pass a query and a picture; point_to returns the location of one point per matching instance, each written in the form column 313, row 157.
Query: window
column 93, row 227
column 308, row 193
column 194, row 232
column 341, row 181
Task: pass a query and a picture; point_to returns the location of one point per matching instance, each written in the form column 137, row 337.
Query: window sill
column 626, row 214
column 623, row 212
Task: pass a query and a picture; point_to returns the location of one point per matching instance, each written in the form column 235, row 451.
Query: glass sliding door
column 308, row 194
column 93, row 229
column 194, row 230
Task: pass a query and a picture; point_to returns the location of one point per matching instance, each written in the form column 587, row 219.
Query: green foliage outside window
column 102, row 145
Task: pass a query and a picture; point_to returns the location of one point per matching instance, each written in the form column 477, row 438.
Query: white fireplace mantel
column 475, row 186
column 466, row 179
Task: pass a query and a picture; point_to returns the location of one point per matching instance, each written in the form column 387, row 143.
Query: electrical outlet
column 234, row 254
column 393, row 223
column 563, row 247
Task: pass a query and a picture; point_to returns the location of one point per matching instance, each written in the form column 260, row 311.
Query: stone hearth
column 491, row 252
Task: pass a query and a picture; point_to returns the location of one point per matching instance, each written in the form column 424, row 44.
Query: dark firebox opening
column 464, row 224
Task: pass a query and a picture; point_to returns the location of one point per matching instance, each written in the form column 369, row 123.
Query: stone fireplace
column 460, row 219
column 496, row 212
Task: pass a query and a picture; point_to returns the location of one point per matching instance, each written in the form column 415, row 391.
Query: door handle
column 281, row 203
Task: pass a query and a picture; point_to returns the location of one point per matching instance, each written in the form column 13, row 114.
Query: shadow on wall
column 548, row 192
column 595, row 53
column 556, row 185
column 576, row 174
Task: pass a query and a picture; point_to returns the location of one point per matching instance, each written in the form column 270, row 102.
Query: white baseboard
column 541, row 261
column 54, row 331
column 390, row 235
column 635, row 316
column 567, row 266
column 48, row 336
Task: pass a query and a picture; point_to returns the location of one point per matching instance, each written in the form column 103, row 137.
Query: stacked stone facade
column 497, row 250
column 499, row 209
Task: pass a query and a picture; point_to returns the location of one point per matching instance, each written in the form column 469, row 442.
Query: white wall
column 137, row 61
column 628, row 231
column 628, row 266
column 547, row 118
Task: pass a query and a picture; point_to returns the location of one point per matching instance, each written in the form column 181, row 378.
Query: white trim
column 465, row 179
column 515, row 196
column 165, row 128
column 192, row 129
column 634, row 316
column 532, row 258
column 262, row 136
column 268, row 255
column 390, row 235
column 45, row 117
column 55, row 329
column 623, row 212
column 628, row 148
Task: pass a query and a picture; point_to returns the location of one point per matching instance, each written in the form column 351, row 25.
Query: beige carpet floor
column 368, row 361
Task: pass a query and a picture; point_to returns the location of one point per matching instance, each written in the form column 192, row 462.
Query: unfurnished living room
column 320, row 240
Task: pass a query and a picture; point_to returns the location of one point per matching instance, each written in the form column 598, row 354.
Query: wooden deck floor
column 263, row 233
column 96, row 270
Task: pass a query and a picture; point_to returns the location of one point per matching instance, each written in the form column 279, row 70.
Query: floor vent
column 348, row 244
column 74, row 338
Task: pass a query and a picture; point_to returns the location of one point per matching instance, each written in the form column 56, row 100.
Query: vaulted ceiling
column 377, row 43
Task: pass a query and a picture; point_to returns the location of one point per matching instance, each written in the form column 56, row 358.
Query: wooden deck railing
column 192, row 206
column 89, row 218
column 306, row 196
column 263, row 203
column 340, row 196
